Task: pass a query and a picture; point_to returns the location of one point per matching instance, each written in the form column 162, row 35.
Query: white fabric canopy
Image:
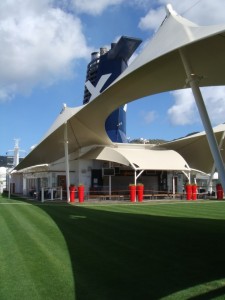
column 195, row 150
column 139, row 159
column 157, row 69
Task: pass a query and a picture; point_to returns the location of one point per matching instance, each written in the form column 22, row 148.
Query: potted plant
column 194, row 191
column 72, row 189
column 81, row 192
column 132, row 188
column 219, row 191
column 188, row 189
column 140, row 191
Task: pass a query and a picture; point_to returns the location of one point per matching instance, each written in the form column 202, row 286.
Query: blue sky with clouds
column 46, row 46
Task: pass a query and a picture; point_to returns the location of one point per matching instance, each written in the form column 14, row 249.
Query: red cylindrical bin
column 194, row 192
column 132, row 189
column 219, row 191
column 72, row 189
column 81, row 193
column 188, row 188
column 140, row 192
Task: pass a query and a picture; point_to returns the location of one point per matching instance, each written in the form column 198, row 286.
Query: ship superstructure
column 105, row 66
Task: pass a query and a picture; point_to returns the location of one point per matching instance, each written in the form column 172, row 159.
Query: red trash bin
column 140, row 192
column 194, row 192
column 188, row 189
column 81, row 193
column 132, row 189
column 72, row 189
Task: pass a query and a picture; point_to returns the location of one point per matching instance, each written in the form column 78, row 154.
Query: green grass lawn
column 138, row 251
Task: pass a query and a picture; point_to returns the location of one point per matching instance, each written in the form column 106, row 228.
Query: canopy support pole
column 67, row 162
column 139, row 174
column 135, row 182
column 110, row 182
column 214, row 167
column 193, row 81
column 136, row 177
column 173, row 187
column 9, row 188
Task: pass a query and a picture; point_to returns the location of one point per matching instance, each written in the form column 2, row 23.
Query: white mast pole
column 193, row 81
column 67, row 162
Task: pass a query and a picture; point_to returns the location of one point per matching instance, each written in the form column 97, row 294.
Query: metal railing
column 46, row 194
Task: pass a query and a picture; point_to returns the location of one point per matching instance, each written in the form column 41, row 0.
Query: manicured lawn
column 138, row 251
column 34, row 258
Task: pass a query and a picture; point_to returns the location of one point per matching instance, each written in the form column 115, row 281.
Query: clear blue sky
column 45, row 49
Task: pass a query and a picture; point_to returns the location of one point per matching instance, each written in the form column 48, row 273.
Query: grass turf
column 154, row 251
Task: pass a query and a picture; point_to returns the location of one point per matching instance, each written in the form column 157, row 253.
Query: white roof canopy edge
column 139, row 159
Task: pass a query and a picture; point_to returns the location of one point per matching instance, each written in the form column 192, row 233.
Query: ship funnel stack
column 111, row 62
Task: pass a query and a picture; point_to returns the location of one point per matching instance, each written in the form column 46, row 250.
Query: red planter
column 72, row 193
column 81, row 193
column 188, row 188
column 219, row 191
column 132, row 189
column 194, row 192
column 140, row 192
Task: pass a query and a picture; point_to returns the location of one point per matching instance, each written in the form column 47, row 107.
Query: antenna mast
column 16, row 153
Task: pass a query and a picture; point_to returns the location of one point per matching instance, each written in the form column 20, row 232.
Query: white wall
column 2, row 179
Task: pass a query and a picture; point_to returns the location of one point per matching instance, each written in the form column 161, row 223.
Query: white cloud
column 93, row 7
column 41, row 40
column 39, row 43
column 201, row 12
column 148, row 116
column 153, row 19
column 184, row 111
column 215, row 102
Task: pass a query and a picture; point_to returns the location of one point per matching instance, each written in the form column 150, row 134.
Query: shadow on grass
column 136, row 256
